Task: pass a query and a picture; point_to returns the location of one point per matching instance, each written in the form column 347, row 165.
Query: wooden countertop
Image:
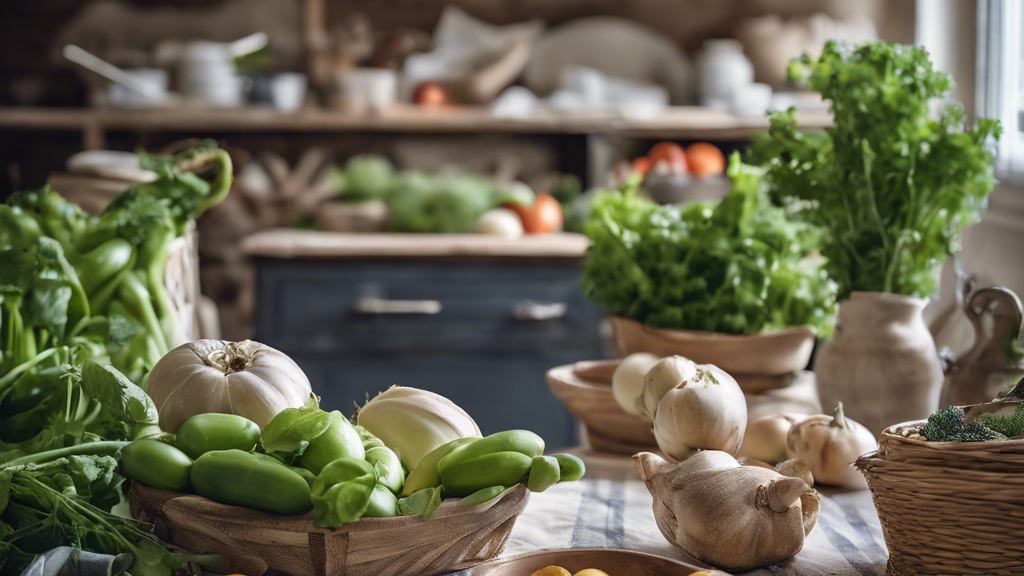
column 310, row 244
column 674, row 122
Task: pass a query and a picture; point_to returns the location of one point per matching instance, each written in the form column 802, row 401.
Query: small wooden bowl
column 613, row 562
column 586, row 390
column 252, row 542
column 772, row 354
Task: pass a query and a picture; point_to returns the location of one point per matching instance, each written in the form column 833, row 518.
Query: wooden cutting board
column 289, row 243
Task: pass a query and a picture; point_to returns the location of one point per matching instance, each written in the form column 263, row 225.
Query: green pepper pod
column 157, row 464
column 204, row 433
column 137, row 299
column 101, row 264
column 245, row 479
column 340, row 440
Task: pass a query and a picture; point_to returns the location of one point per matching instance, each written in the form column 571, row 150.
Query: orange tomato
column 430, row 94
column 705, row 159
column 542, row 217
column 641, row 165
column 669, row 152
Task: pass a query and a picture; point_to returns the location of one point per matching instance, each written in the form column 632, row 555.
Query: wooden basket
column 586, row 390
column 251, row 542
column 758, row 362
column 948, row 507
column 181, row 277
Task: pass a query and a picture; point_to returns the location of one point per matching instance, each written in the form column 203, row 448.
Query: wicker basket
column 252, row 542
column 948, row 507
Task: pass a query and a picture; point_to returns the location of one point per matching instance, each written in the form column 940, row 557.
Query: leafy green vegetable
column 891, row 186
column 449, row 202
column 366, row 177
column 947, row 425
column 423, row 502
column 289, row 433
column 740, row 267
column 341, row 492
column 68, row 501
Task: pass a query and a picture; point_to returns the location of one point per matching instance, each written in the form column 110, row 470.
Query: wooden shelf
column 682, row 122
column 290, row 243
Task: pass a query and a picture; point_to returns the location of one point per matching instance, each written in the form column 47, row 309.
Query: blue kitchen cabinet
column 482, row 333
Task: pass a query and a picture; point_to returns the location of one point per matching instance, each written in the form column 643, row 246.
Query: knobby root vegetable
column 727, row 515
column 830, row 445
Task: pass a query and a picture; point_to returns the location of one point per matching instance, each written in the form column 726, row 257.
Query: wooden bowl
column 614, row 562
column 772, row 354
column 252, row 542
column 586, row 390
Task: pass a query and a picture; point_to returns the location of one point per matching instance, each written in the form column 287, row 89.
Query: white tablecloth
column 611, row 508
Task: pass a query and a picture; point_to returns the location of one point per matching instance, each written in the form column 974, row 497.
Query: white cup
column 288, row 91
column 376, row 88
column 155, row 78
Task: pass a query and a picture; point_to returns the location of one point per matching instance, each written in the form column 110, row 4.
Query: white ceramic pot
column 723, row 70
column 881, row 362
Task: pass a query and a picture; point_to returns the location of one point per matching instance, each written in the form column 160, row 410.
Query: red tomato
column 430, row 94
column 669, row 152
column 705, row 159
column 642, row 165
column 544, row 216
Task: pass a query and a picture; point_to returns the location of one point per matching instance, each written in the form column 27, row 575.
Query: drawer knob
column 530, row 311
column 380, row 306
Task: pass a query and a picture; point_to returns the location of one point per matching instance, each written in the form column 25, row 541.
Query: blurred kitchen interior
column 555, row 95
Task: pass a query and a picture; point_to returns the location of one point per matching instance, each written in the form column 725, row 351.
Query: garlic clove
column 796, row 468
column 782, row 493
column 649, row 465
column 830, row 445
column 667, row 374
column 628, row 380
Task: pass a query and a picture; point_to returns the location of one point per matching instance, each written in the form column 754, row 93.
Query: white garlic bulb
column 730, row 516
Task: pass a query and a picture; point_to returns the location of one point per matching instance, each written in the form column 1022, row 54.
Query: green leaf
column 5, row 488
column 341, row 492
column 119, row 395
column 423, row 502
column 288, row 434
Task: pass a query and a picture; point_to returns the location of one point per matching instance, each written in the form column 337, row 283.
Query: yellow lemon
column 591, row 572
column 552, row 571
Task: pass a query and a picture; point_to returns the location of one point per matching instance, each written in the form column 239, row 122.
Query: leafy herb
column 68, row 501
column 892, row 186
column 740, row 267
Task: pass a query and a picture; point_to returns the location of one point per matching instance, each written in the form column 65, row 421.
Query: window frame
column 998, row 93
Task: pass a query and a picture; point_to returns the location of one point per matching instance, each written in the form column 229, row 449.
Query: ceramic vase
column 881, row 363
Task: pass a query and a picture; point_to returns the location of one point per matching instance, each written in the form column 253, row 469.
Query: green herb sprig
column 891, row 184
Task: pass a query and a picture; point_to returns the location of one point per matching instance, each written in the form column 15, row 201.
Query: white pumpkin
column 244, row 378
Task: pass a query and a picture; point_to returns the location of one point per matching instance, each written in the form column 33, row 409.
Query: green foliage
column 289, row 433
column 1007, row 425
column 366, row 177
column 448, row 202
column 892, row 186
column 740, row 267
column 947, row 425
column 68, row 501
column 341, row 492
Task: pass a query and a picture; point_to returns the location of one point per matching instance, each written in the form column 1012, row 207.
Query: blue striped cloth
column 611, row 508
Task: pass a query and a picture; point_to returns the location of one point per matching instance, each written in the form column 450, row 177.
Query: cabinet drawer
column 423, row 307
